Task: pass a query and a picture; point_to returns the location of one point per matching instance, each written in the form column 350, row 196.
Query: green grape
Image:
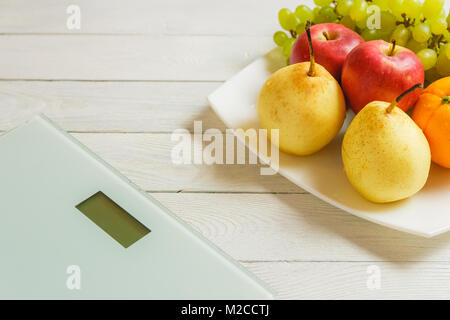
column 443, row 62
column 300, row 28
column 415, row 46
column 447, row 35
column 343, row 7
column 431, row 8
column 422, row 32
column 432, row 75
column 359, row 10
column 287, row 47
column 316, row 11
column 412, row 8
column 445, row 49
column 326, row 14
column 323, row 3
column 279, row 38
column 438, row 26
column 382, row 4
column 385, row 36
column 348, row 22
column 441, row 14
column 288, row 20
column 388, row 22
column 361, row 24
column 396, row 7
column 304, row 13
column 428, row 58
column 371, row 34
column 401, row 35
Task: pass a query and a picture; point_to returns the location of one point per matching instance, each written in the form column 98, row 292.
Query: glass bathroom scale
column 72, row 227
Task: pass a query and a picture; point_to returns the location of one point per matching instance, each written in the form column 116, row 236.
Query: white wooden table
column 139, row 69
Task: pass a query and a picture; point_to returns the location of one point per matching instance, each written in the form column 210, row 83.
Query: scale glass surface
column 65, row 213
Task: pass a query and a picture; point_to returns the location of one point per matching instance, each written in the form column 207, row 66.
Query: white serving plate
column 425, row 214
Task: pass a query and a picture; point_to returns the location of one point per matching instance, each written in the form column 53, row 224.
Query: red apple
column 332, row 42
column 378, row 70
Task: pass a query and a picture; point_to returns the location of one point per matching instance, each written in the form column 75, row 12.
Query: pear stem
column 312, row 66
column 400, row 97
column 391, row 51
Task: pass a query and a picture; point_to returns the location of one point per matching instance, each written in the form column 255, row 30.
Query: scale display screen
column 114, row 220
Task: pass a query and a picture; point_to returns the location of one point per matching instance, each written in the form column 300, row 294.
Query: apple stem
column 312, row 66
column 325, row 34
column 400, row 97
column 391, row 51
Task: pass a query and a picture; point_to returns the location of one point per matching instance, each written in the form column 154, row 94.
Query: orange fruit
column 432, row 115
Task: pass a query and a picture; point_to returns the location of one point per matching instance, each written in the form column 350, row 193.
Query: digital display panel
column 114, row 220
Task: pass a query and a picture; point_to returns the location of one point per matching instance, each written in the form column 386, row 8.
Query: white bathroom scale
column 72, row 227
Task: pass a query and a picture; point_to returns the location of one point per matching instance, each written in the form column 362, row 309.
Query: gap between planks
column 113, row 81
column 227, row 192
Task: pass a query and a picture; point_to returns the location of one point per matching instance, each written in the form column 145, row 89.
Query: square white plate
column 425, row 214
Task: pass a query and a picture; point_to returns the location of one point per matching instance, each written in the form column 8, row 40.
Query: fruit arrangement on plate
column 337, row 62
column 419, row 25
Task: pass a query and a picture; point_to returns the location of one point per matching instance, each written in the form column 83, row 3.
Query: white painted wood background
column 139, row 69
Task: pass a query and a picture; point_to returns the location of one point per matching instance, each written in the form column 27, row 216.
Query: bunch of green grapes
column 420, row 25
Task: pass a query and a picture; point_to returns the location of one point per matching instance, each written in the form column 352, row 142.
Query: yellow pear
column 386, row 155
column 305, row 103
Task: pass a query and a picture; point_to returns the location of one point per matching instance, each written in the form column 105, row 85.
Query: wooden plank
column 132, row 57
column 146, row 160
column 171, row 17
column 109, row 106
column 297, row 227
column 273, row 226
column 348, row 280
column 194, row 17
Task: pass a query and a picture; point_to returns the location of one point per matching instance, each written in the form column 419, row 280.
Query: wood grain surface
column 139, row 69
